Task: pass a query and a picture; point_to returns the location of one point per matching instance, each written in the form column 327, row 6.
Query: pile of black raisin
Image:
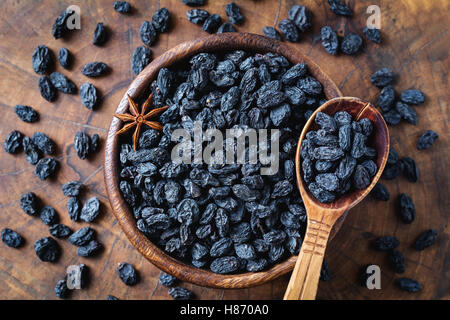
column 225, row 218
column 336, row 159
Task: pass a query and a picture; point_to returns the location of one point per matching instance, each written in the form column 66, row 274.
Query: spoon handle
column 305, row 277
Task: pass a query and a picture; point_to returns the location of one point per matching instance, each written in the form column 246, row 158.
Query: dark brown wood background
column 415, row 45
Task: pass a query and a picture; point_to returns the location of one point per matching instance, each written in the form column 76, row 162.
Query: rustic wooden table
column 415, row 46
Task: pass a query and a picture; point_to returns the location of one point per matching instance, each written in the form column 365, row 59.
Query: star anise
column 138, row 119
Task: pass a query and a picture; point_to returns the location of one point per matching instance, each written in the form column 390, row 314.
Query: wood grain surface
column 415, row 45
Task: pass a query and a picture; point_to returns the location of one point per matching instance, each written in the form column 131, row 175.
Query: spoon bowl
column 322, row 216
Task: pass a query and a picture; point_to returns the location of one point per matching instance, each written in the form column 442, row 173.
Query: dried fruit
column 380, row 192
column 74, row 208
column 329, row 40
column 234, row 13
column 60, row 231
column 88, row 95
column 90, row 249
column 178, row 293
column 161, row 20
column 82, row 236
column 94, row 69
column 407, row 208
column 373, row 34
column 272, row 33
column 110, row 297
column 42, row 60
column 48, row 91
column 386, row 243
column 212, row 23
column 289, row 30
column 392, row 117
column 127, row 274
column 301, row 17
column 340, row 9
column 11, row 238
column 412, row 96
column 167, row 280
column 386, row 98
column 427, row 139
column 45, row 168
column 47, row 249
column 142, row 56
column 410, row 169
column 82, row 143
column 48, row 215
column 351, row 43
column 426, row 239
column 100, row 34
column 224, row 265
column 383, row 77
column 61, row 289
column 193, row 3
column 148, row 33
column 13, row 142
column 122, row 6
column 65, row 58
column 90, row 210
column 406, row 112
column 408, row 284
column 26, row 113
column 62, row 83
column 29, row 203
column 226, row 27
column 60, row 28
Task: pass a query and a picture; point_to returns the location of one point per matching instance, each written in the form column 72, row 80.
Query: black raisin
column 289, row 30
column 224, row 265
column 60, row 231
column 212, row 23
column 127, row 274
column 46, row 88
column 94, row 69
column 29, row 203
column 148, row 33
column 122, row 6
column 425, row 239
column 397, row 261
column 88, row 95
column 408, row 284
column 178, row 293
column 382, row 77
column 351, row 43
column 340, row 9
column 386, row 243
column 427, row 139
column 60, row 28
column 82, row 237
column 47, row 249
column 90, row 249
column 11, row 238
column 234, row 13
column 301, row 17
column 65, row 58
column 161, row 20
column 13, row 142
column 167, row 280
column 380, row 192
column 62, row 83
column 90, row 210
column 329, row 40
column 412, row 96
column 100, row 34
column 407, row 208
column 373, row 34
column 142, row 56
column 74, row 208
column 48, row 215
column 45, row 168
column 42, row 60
column 272, row 33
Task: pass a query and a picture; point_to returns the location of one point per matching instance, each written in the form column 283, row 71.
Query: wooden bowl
column 168, row 264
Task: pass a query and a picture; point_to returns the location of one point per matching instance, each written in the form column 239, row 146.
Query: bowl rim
column 168, row 264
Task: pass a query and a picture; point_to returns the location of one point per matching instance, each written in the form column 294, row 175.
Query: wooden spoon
column 321, row 217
